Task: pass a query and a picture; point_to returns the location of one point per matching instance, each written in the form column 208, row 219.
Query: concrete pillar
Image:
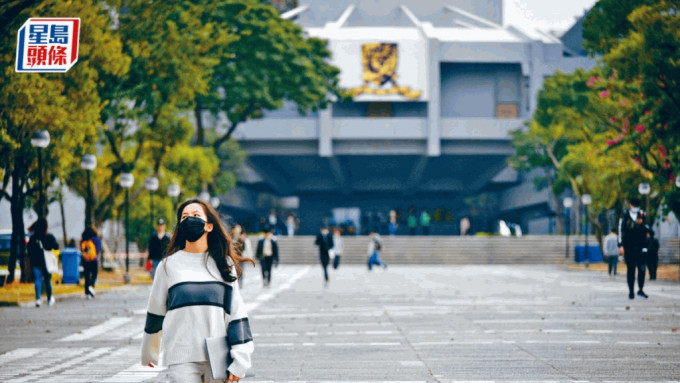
column 434, row 104
column 326, row 132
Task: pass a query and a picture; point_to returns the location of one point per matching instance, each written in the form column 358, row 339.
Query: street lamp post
column 151, row 184
column 586, row 200
column 204, row 196
column 89, row 163
column 173, row 192
column 126, row 181
column 677, row 184
column 567, row 203
column 40, row 140
column 645, row 189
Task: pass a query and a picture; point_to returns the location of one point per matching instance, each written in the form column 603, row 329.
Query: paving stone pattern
column 502, row 323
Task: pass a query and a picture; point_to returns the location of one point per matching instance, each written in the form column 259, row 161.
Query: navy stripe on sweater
column 154, row 323
column 200, row 294
column 238, row 332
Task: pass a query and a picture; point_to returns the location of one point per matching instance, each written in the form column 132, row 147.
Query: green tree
column 67, row 105
column 147, row 112
column 270, row 62
column 646, row 52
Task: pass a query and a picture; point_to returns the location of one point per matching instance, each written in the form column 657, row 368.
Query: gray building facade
column 438, row 85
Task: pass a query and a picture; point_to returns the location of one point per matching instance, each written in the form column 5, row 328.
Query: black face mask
column 192, row 228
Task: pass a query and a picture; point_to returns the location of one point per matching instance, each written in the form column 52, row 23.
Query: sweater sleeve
column 156, row 309
column 240, row 336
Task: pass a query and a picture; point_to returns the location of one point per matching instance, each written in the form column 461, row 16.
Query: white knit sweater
column 189, row 303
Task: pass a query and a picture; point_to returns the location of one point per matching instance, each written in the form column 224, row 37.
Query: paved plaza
column 403, row 324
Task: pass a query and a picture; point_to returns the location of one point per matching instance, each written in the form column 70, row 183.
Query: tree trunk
column 558, row 204
column 17, row 250
column 63, row 215
column 200, row 131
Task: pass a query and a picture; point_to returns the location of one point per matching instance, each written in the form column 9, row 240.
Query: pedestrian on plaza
column 374, row 248
column 324, row 240
column 243, row 247
column 338, row 247
column 652, row 254
column 464, row 226
column 40, row 242
column 268, row 255
column 425, row 222
column 632, row 239
column 90, row 248
column 412, row 223
column 194, row 297
column 158, row 245
column 611, row 251
column 273, row 221
column 290, row 225
column 392, row 225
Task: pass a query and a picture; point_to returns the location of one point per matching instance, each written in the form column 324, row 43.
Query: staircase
column 439, row 250
column 435, row 250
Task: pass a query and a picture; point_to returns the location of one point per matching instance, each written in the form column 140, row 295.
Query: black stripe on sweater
column 154, row 323
column 238, row 331
column 200, row 294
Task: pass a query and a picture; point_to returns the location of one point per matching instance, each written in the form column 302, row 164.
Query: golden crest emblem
column 380, row 65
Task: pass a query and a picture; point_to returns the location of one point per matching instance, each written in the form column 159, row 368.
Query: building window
column 379, row 109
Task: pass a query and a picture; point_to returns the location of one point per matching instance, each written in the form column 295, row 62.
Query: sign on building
column 47, row 44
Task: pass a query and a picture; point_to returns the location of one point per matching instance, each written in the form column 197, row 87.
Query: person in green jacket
column 425, row 222
column 412, row 223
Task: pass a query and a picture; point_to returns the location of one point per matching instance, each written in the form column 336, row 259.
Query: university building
column 438, row 86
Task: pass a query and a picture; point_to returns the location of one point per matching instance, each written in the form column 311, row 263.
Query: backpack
column 89, row 250
column 378, row 245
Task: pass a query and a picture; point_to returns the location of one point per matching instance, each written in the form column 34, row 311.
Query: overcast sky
column 548, row 15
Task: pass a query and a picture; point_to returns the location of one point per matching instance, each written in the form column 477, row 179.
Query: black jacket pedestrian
column 325, row 243
column 158, row 247
column 260, row 251
column 35, row 253
column 632, row 236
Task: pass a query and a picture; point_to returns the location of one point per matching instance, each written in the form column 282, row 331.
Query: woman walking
column 194, row 296
column 40, row 242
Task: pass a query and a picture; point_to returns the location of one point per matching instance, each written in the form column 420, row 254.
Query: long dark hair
column 39, row 228
column 220, row 246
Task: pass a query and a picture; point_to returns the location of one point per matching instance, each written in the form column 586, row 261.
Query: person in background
column 325, row 243
column 268, row 255
column 392, row 225
column 243, row 247
column 90, row 248
column 412, row 223
column 273, row 221
column 425, row 222
column 374, row 247
column 338, row 247
column 290, row 225
column 41, row 240
column 158, row 245
column 632, row 239
column 652, row 254
column 611, row 251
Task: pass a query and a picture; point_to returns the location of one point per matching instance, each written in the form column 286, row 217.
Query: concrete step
column 548, row 249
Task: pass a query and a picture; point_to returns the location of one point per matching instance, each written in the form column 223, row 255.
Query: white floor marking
column 96, row 330
column 20, row 353
column 135, row 373
column 263, row 297
column 66, row 364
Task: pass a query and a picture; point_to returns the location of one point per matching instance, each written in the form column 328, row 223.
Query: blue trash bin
column 70, row 266
column 594, row 254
